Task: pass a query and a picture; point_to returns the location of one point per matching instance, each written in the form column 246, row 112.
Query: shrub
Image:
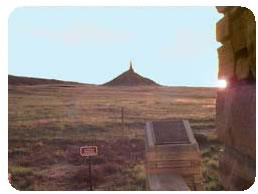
column 201, row 139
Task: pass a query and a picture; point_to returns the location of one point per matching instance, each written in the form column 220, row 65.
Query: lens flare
column 222, row 83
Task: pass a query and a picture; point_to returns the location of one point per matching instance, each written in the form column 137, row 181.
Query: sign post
column 90, row 180
column 89, row 151
column 123, row 124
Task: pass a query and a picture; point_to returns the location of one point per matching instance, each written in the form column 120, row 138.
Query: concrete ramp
column 166, row 182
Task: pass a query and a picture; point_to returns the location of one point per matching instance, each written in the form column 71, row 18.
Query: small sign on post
column 89, row 151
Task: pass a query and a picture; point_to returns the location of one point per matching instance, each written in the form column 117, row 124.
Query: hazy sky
column 170, row 45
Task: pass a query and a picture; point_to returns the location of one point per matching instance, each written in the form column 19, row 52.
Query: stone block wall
column 236, row 104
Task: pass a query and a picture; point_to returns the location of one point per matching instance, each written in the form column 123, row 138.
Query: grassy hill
column 20, row 80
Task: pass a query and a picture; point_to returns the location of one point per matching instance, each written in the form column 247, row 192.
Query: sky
column 174, row 46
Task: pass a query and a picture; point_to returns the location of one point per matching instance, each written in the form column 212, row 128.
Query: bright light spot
column 222, row 83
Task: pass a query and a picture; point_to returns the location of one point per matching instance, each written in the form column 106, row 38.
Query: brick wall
column 236, row 112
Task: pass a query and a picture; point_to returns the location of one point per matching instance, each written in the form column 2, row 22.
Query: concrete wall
column 236, row 104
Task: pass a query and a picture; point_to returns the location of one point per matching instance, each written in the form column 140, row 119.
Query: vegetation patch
column 47, row 128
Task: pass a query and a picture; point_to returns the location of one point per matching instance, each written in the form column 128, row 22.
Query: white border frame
column 6, row 8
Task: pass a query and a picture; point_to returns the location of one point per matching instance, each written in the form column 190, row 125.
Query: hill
column 130, row 78
column 20, row 80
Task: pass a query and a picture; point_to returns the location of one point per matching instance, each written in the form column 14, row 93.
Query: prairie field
column 49, row 123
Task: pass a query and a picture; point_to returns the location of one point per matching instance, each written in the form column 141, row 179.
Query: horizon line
column 96, row 84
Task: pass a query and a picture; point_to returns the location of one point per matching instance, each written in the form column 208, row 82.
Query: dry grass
column 48, row 124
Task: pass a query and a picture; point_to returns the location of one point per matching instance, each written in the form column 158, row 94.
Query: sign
column 89, row 151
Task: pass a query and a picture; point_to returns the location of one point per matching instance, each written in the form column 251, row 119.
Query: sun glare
column 222, row 83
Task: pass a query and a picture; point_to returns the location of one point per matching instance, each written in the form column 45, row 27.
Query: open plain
column 48, row 124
